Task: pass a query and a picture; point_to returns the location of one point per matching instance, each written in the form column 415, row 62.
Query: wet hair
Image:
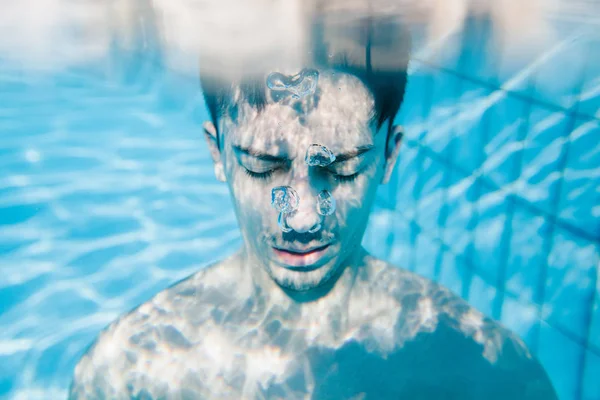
column 387, row 85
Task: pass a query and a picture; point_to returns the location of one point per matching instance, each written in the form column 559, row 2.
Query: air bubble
column 325, row 203
column 299, row 85
column 318, row 156
column 284, row 199
column 282, row 222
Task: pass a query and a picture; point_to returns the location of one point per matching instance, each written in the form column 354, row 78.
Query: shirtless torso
column 392, row 335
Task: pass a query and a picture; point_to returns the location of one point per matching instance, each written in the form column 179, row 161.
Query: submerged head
column 259, row 136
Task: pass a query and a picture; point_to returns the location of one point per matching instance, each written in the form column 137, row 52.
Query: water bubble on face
column 325, row 203
column 284, row 199
column 277, row 81
column 307, row 84
column 300, row 85
column 282, row 222
column 318, row 156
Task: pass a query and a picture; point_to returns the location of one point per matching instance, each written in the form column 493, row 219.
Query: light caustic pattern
column 105, row 199
column 100, row 208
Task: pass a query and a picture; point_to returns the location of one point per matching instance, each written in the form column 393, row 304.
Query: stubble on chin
column 301, row 281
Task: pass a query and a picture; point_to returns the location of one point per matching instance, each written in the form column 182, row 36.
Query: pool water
column 107, row 195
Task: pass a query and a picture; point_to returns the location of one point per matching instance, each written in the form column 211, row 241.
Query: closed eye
column 347, row 170
column 260, row 169
column 346, row 178
column 259, row 175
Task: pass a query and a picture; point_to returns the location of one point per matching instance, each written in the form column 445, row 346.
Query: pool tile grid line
column 542, row 288
column 489, row 185
column 501, row 283
column 468, row 263
column 513, row 93
column 525, row 73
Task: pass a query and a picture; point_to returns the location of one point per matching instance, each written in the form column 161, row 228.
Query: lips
column 300, row 258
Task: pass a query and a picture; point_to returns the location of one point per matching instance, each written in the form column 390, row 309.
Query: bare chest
column 274, row 357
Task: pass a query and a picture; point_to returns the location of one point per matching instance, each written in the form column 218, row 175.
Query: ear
column 392, row 150
column 210, row 133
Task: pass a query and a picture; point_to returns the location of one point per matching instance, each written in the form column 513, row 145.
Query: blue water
column 107, row 195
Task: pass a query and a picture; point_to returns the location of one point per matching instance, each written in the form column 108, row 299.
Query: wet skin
column 304, row 314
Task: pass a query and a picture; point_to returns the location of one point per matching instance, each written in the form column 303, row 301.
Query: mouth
column 300, row 258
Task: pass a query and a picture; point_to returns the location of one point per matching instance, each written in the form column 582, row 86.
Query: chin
column 302, row 281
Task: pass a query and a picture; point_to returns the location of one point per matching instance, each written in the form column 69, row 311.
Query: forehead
column 338, row 115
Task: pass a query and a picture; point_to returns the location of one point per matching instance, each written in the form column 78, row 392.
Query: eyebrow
column 354, row 153
column 258, row 154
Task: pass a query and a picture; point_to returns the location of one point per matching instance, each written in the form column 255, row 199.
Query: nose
column 305, row 218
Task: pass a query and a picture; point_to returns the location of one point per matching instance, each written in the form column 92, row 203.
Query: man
column 301, row 310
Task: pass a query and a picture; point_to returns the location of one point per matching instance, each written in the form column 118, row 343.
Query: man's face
column 260, row 150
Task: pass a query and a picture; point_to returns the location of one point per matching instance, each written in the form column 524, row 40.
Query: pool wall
column 497, row 194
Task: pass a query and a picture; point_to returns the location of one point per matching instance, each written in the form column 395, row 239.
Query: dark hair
column 387, row 84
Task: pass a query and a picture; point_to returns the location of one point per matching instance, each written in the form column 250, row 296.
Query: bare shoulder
column 149, row 348
column 424, row 306
column 441, row 327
